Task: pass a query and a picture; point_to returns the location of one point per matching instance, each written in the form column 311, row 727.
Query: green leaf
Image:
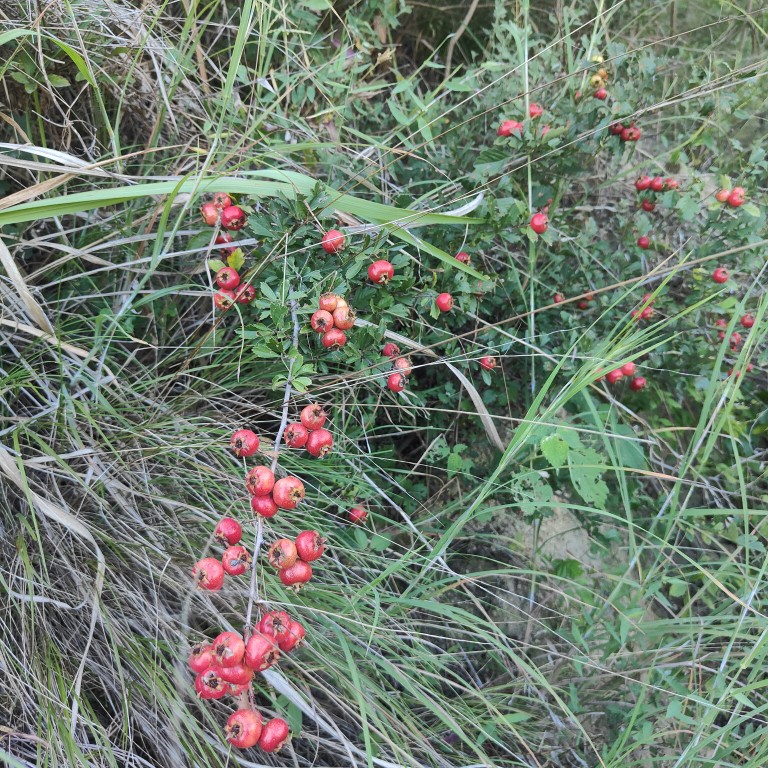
column 57, row 81
column 555, row 450
column 586, row 472
column 751, row 209
column 236, row 259
column 216, row 264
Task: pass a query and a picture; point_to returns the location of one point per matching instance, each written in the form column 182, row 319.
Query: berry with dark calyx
column 357, row 515
column 244, row 443
column 259, row 481
column 221, row 200
column 263, row 506
column 488, row 362
column 224, row 299
column 539, row 223
column 644, row 242
column 288, row 492
column 274, row 734
column 444, row 302
column 720, row 275
column 333, row 241
column 535, row 110
column 228, row 648
column 463, row 257
column 637, row 383
column 747, row 321
column 261, row 652
column 274, row 624
column 245, row 293
column 648, row 206
column 319, row 443
column 292, row 638
column 282, row 554
column 657, row 184
column 209, row 685
column 508, row 127
column 333, row 338
column 236, row 560
column 210, row 213
column 233, row 218
column 613, row 376
column 310, row 545
column 201, row 657
column 396, row 382
column 558, row 298
column 328, row 302
column 296, row 435
column 343, row 318
column 628, row 369
column 313, row 416
column 631, row 134
column 228, row 531
column 642, row 183
column 390, row 350
column 403, row 365
column 222, row 239
column 601, row 93
column 227, row 278
column 209, row 574
column 299, row 573
column 737, row 197
column 244, row 728
column 237, row 674
column 381, row 272
column 321, row 321
column 615, row 129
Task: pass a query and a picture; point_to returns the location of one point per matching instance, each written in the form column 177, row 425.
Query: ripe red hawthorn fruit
column 508, row 127
column 228, row 531
column 244, row 728
column 615, row 129
column 245, row 293
column 221, row 200
column 657, row 184
column 259, row 481
column 601, row 93
column 201, row 657
column 310, row 545
column 341, row 302
column 333, row 241
column 224, row 299
column 631, row 134
column 558, row 298
column 236, row 560
column 210, row 213
column 296, row 435
column 396, row 382
column 261, row 652
column 288, row 492
column 638, row 383
column 321, row 321
column 535, row 110
column 488, row 362
column 328, row 302
column 583, row 304
column 274, row 624
column 737, row 197
column 720, row 275
column 642, row 183
column 613, row 376
column 319, row 443
column 648, row 206
column 228, row 648
column 282, row 554
column 390, row 350
column 463, row 257
column 343, row 318
column 747, row 321
column 381, row 272
column 237, row 674
column 313, row 416
column 647, row 313
column 274, row 734
column 299, row 573
column 335, row 337
column 670, row 183
column 221, row 239
column 735, row 340
column 208, row 573
column 244, row 443
column 263, row 506
column 403, row 365
column 628, row 369
column 539, row 223
column 723, row 195
column 209, row 685
column 721, row 322
column 357, row 515
column 233, row 218
column 444, row 302
column 227, row 278
column 292, row 638
column 644, row 242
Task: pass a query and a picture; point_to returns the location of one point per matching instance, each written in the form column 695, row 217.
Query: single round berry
column 403, row 365
column 244, row 443
column 321, row 321
column 237, row 674
column 261, row 652
column 396, row 382
column 508, row 127
column 463, row 257
column 228, row 531
column 233, row 218
column 638, row 383
column 335, row 337
column 292, row 638
column 615, row 129
column 313, row 416
column 223, row 299
column 236, row 560
column 333, row 241
column 488, row 362
column 210, row 213
column 260, row 481
column 747, row 321
column 358, row 515
column 274, row 624
column 201, row 657
column 613, row 376
column 244, row 728
column 263, row 506
column 282, row 554
column 642, row 183
column 297, row 574
column 296, row 435
column 209, row 574
column 721, row 322
column 583, row 304
column 245, row 293
column 644, row 242
column 631, row 134
column 657, row 184
column 343, row 318
column 722, row 195
column 390, row 350
column 209, row 685
column 221, row 200
column 228, row 648
column 310, row 545
column 558, row 298
column 328, row 302
column 535, row 110
column 539, row 223
column 288, row 492
column 227, row 278
column 648, row 206
column 274, row 734
column 444, row 302
column 601, row 93
column 319, row 443
column 737, row 197
column 381, row 272
column 670, row 183
column 735, row 340
column 628, row 369
column 720, row 275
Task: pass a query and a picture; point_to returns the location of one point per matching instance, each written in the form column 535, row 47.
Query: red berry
column 244, row 728
column 209, row 574
column 735, row 340
column 488, row 362
column 228, row 531
column 396, row 382
column 201, row 657
column 227, row 278
column 328, row 302
column 274, row 734
column 381, row 272
column 209, row 685
column 747, row 321
column 648, row 206
column 670, row 183
column 333, row 241
column 628, row 369
column 343, row 318
column 288, row 492
column 319, row 443
column 292, row 638
column 263, row 506
column 720, row 275
column 657, row 184
column 723, row 195
column 237, row 674
column 558, row 298
column 321, row 321
column 539, row 223
column 233, row 218
column 261, row 652
column 236, row 560
column 615, row 129
column 535, row 110
column 245, row 293
column 647, row 313
column 390, row 350
column 631, row 134
column 221, row 200
column 601, row 93
column 508, row 127
column 463, row 257
column 313, row 416
column 444, row 302
column 403, row 365
column 643, row 183
column 737, row 197
column 358, row 515
column 335, row 337
column 221, row 239
column 299, row 573
column 259, row 481
column 228, row 648
column 296, row 435
column 613, row 376
column 644, row 242
column 310, row 545
column 583, row 304
column 545, row 129
column 637, row 383
column 210, row 213
column 275, row 624
column 721, row 322
column 244, row 443
column 282, row 554
column 224, row 299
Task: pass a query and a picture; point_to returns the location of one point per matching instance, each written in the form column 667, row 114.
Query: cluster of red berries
column 401, row 367
column 292, row 558
column 332, row 318
column 651, row 186
column 268, row 494
column 221, row 211
column 628, row 369
column 309, row 432
column 647, row 311
column 625, row 132
column 515, row 127
column 231, row 289
column 734, row 197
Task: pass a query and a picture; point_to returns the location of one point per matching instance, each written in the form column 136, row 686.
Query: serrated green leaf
column 236, row 259
column 751, row 209
column 57, row 81
column 216, row 264
column 586, row 470
column 555, row 450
